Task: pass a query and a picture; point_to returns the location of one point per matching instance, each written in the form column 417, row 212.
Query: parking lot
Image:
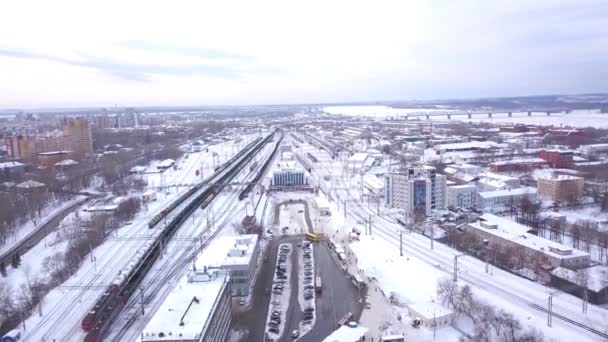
column 286, row 290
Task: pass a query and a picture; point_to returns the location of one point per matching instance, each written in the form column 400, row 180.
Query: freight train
column 122, row 287
column 249, row 186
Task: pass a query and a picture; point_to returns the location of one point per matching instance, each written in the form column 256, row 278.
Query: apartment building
column 560, row 187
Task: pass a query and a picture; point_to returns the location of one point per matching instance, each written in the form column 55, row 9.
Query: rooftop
column 517, row 233
column 10, row 164
column 184, row 313
column 54, row 153
column 358, row 157
column 430, row 309
column 560, row 177
column 228, row 251
column 519, row 161
column 347, row 333
column 66, row 162
column 508, row 192
column 467, row 145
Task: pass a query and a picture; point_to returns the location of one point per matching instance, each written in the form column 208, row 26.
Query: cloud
column 207, row 53
column 132, row 71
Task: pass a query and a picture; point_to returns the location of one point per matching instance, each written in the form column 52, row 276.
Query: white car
column 295, row 334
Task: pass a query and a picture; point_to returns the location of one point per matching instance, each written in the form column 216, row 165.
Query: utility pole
column 549, row 309
column 456, row 267
column 370, row 224
column 432, row 236
column 585, row 300
column 400, row 243
column 141, row 293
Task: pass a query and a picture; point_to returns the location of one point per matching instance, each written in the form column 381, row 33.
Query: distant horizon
column 430, row 102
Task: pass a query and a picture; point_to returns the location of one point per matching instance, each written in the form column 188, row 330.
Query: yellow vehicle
column 312, row 237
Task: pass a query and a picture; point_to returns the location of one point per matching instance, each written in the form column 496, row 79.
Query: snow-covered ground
column 576, row 118
column 26, row 230
column 64, row 307
column 498, row 287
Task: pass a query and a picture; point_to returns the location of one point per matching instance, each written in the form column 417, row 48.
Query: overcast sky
column 135, row 53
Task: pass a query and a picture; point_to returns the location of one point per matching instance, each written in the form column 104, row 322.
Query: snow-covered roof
column 560, row 177
column 66, row 162
column 138, row 169
column 498, row 176
column 358, row 157
column 30, row 184
column 466, row 146
column 517, row 233
column 429, row 310
column 53, row 153
column 228, row 251
column 321, row 202
column 10, row 164
column 347, row 333
column 287, row 165
column 594, row 278
column 184, row 313
column 520, row 161
column 166, row 163
column 508, row 192
column 463, row 186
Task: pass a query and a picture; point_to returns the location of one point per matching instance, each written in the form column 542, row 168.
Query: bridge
column 471, row 114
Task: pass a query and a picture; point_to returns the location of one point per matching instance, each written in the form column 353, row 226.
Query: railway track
column 361, row 212
column 156, row 287
column 423, row 254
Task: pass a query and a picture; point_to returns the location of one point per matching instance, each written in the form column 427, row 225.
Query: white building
column 504, row 198
column 198, row 309
column 489, row 181
column 322, row 206
column 592, row 149
column 289, row 175
column 501, row 232
column 395, row 189
column 431, row 314
column 463, row 168
column 438, row 183
column 357, row 161
column 463, row 196
column 352, row 332
column 239, row 255
column 165, row 164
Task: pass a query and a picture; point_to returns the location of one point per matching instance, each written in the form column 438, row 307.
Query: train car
column 127, row 280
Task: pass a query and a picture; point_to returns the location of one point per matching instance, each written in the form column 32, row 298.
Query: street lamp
column 456, row 266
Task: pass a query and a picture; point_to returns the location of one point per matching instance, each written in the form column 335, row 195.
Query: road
column 39, row 233
column 338, row 298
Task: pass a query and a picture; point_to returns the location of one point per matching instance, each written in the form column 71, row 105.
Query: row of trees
column 82, row 237
column 18, row 207
column 490, row 323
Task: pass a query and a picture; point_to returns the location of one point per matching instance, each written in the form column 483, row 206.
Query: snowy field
column 576, row 118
